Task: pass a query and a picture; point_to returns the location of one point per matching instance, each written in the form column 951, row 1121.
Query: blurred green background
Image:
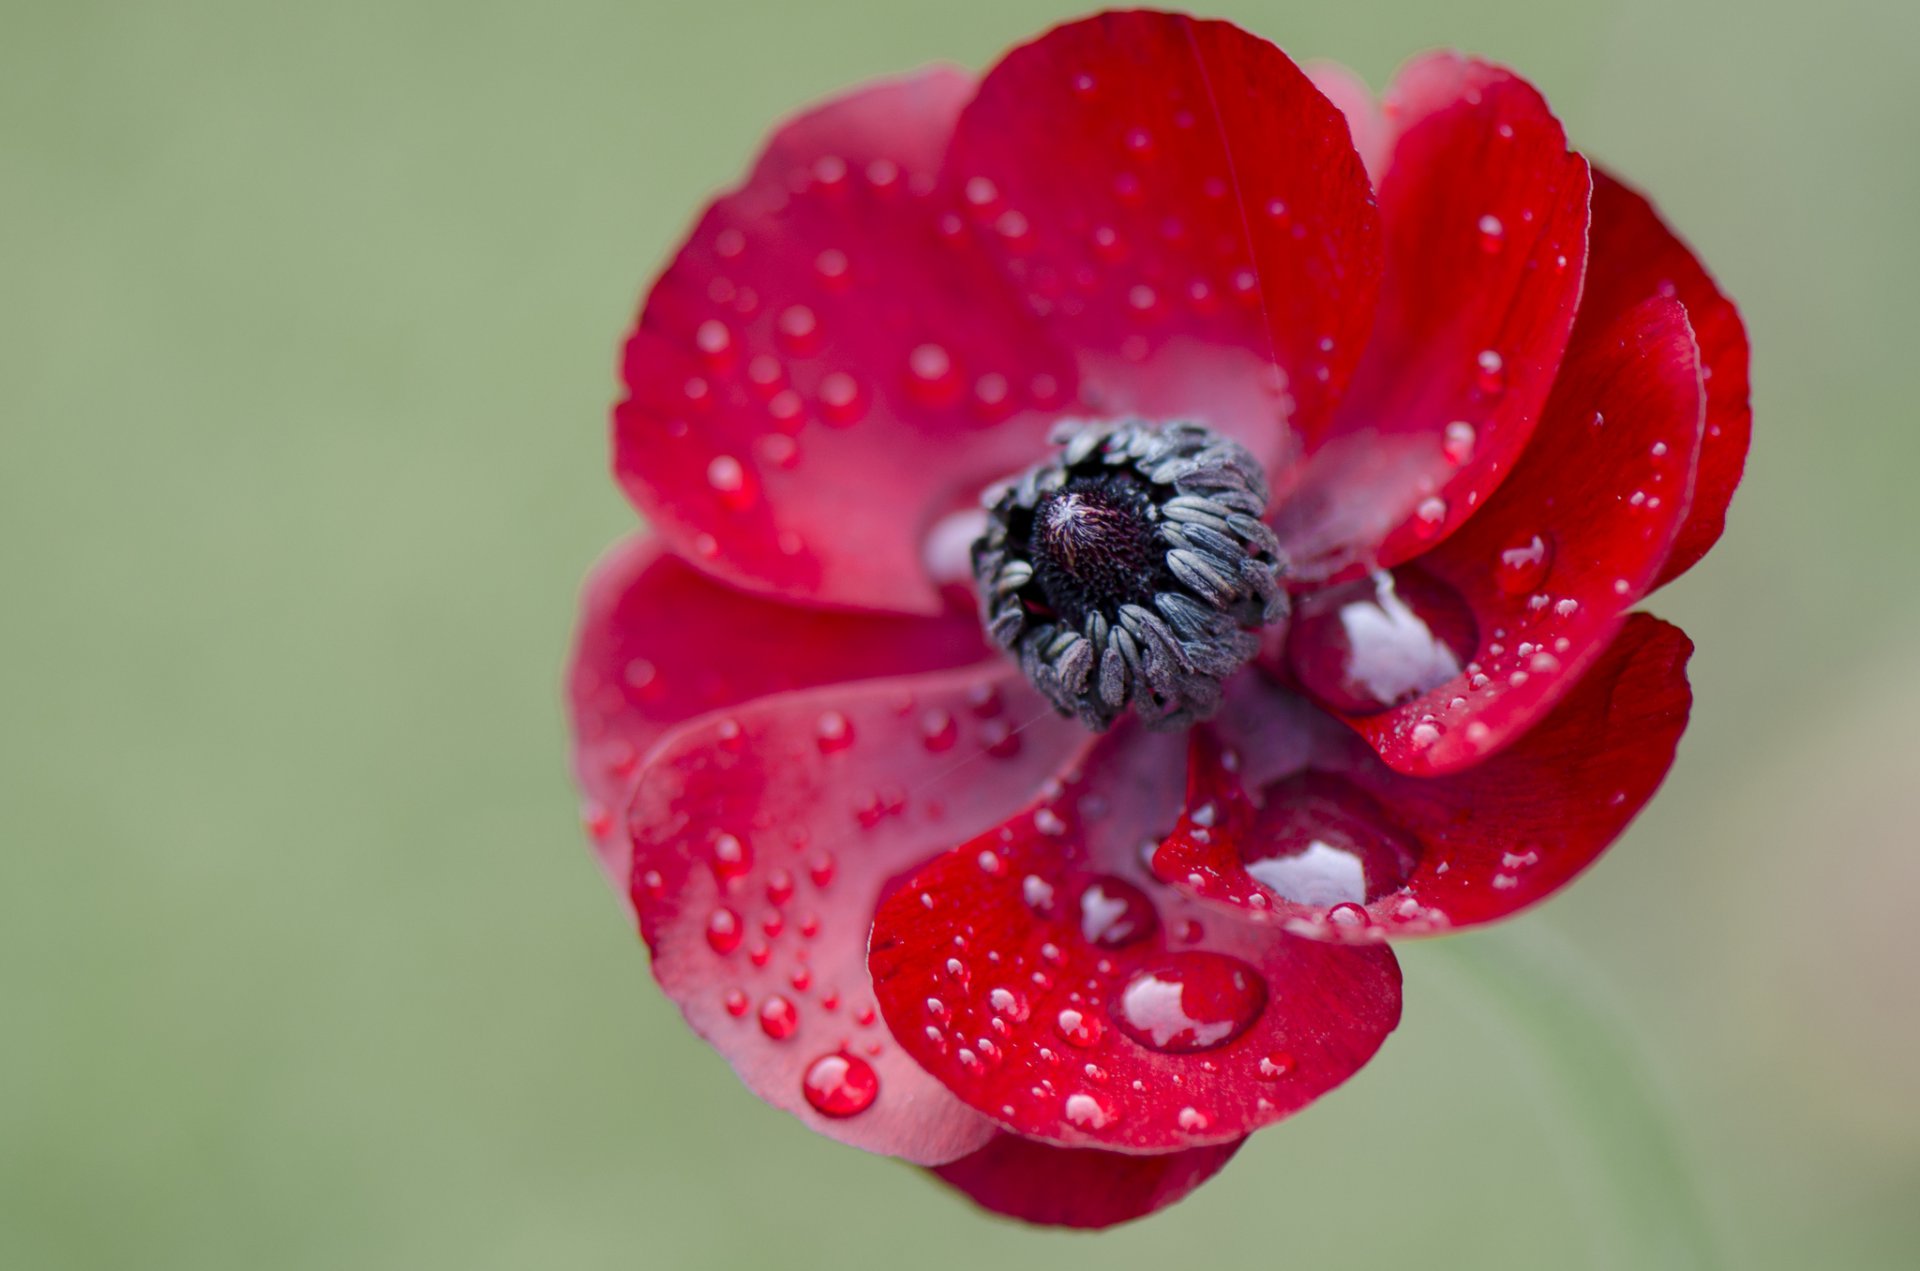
column 308, row 317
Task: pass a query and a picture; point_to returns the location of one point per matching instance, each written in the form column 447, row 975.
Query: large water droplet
column 840, row 1085
column 1375, row 643
column 1524, row 566
column 1321, row 842
column 1190, row 1002
column 1114, row 913
column 724, row 931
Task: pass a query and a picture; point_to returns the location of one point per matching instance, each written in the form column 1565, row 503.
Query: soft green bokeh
column 307, row 323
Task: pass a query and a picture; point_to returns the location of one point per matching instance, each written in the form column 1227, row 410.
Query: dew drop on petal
column 724, row 931
column 1458, row 441
column 1522, row 567
column 1490, row 372
column 833, row 732
column 1115, row 913
column 1374, row 643
column 778, row 1018
column 840, row 1085
column 1191, row 1001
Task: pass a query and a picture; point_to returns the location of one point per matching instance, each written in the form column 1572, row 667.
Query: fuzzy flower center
column 1131, row 570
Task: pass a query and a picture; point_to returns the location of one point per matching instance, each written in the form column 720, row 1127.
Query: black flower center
column 1131, row 570
column 1092, row 546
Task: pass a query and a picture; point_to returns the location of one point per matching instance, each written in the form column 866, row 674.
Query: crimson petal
column 1079, row 1187
column 825, row 370
column 1350, row 851
column 1187, row 211
column 762, row 840
column 1552, row 561
column 1051, row 982
column 1484, row 211
column 1634, row 255
column 660, row 643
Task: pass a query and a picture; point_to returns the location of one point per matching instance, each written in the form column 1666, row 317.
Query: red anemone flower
column 1309, row 630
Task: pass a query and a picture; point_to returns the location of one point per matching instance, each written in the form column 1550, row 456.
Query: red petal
column 659, row 643
column 1079, row 1187
column 1553, row 560
column 1428, row 854
column 1366, row 123
column 1485, row 217
column 1635, row 256
column 1044, row 975
column 822, row 372
column 761, row 843
column 1193, row 218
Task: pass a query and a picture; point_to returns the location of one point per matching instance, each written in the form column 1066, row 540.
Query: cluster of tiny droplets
column 1131, row 570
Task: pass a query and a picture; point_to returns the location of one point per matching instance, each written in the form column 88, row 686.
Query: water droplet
column 731, row 856
column 1320, row 841
column 714, row 342
column 1429, row 517
column 833, row 732
column 1524, row 566
column 1088, row 1111
column 1008, row 1004
column 724, row 931
column 736, row 1002
column 1193, row 1120
column 1078, row 1028
column 840, row 1085
column 730, row 481
column 1458, row 442
column 1348, row 914
column 1114, row 913
column 841, row 401
column 798, row 329
column 1192, row 1001
column 1276, row 1065
column 833, row 269
column 938, row 731
column 820, row 869
column 1374, row 643
column 1490, row 372
column 930, row 374
column 778, row 1018
column 1493, row 234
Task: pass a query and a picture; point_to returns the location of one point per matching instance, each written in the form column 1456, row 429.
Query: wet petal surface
column 1192, row 219
column 762, row 841
column 660, row 643
column 1045, row 975
column 832, row 363
column 1484, row 213
column 1544, row 572
column 1334, row 845
column 1636, row 256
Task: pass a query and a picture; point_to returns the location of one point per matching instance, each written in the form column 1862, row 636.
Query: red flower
column 1495, row 401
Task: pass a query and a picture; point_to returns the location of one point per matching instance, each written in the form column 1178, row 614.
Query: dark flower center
column 1131, row 570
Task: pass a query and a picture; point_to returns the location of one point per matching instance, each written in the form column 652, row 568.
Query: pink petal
column 1549, row 566
column 660, row 643
column 1485, row 216
column 1635, row 256
column 1192, row 219
column 762, row 841
column 1043, row 974
column 1079, row 1187
column 827, row 368
column 1347, row 850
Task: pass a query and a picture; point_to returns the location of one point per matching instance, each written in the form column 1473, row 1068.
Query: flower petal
column 1347, row 850
column 762, row 841
column 1043, row 974
column 823, row 371
column 1577, row 536
column 660, row 643
column 1484, row 211
column 1079, row 1187
column 1635, row 256
column 1192, row 219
